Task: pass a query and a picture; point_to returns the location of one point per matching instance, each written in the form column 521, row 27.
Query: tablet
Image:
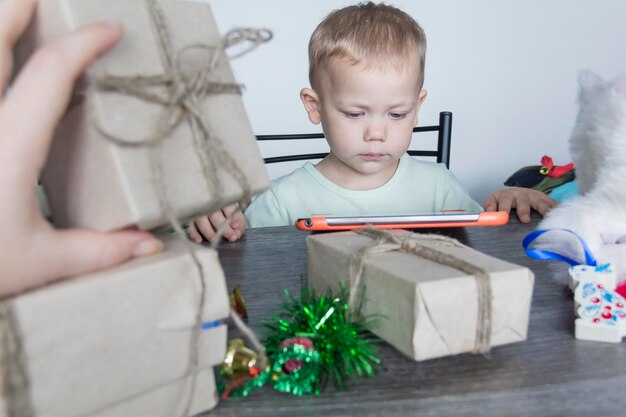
column 452, row 218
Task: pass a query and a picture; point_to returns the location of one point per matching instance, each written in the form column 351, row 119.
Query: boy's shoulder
column 413, row 164
column 292, row 184
column 295, row 178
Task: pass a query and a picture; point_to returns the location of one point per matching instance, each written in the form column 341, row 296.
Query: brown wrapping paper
column 426, row 310
column 119, row 339
column 167, row 401
column 91, row 181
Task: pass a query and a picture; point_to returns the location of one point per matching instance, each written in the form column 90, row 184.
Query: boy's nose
column 375, row 131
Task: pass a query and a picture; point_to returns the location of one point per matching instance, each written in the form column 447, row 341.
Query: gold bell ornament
column 240, row 361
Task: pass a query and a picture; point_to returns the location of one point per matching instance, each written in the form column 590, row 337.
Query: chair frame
column 442, row 154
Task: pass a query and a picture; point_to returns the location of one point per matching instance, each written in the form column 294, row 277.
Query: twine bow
column 183, row 102
column 424, row 246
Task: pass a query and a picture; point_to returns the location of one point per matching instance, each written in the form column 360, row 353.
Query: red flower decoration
column 548, row 168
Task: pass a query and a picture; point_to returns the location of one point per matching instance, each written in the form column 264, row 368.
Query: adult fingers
column 42, row 90
column 15, row 16
column 61, row 254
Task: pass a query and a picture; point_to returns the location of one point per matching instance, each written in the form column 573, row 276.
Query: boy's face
column 367, row 115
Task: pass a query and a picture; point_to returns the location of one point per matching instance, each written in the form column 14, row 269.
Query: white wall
column 506, row 69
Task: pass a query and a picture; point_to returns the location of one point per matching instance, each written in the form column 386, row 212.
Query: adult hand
column 32, row 252
column 207, row 226
column 522, row 199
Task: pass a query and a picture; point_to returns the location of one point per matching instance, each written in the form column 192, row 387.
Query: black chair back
column 442, row 154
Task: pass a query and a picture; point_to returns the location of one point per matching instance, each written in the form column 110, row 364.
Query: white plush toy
column 598, row 150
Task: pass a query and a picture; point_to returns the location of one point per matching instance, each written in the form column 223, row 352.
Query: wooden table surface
column 550, row 374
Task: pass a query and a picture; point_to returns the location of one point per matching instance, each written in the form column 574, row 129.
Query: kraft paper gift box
column 92, row 182
column 116, row 343
column 424, row 309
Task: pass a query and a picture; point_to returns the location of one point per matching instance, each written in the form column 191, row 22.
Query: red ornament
column 293, row 364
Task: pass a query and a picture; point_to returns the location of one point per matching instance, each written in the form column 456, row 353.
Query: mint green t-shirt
column 416, row 187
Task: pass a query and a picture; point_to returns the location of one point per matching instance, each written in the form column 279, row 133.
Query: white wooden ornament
column 600, row 311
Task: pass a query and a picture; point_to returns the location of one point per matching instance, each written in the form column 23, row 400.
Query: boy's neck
column 346, row 177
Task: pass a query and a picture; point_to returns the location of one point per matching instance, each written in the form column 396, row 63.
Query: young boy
column 366, row 69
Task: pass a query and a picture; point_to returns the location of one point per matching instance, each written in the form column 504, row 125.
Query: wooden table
column 550, row 374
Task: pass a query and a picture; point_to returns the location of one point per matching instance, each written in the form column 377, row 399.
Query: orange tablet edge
column 485, row 218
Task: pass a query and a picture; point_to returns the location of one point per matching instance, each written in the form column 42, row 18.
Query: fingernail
column 232, row 237
column 114, row 25
column 148, row 247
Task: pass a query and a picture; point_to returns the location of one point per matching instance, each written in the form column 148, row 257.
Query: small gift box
column 118, row 341
column 156, row 129
column 429, row 296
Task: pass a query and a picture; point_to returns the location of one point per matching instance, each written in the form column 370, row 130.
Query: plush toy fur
column 598, row 149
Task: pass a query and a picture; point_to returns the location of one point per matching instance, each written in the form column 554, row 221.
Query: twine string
column 424, row 246
column 13, row 365
column 183, row 102
column 255, row 37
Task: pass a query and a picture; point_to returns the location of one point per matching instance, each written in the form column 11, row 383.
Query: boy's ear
column 420, row 99
column 422, row 96
column 311, row 102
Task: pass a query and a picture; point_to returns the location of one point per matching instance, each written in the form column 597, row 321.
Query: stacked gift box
column 131, row 340
column 124, row 334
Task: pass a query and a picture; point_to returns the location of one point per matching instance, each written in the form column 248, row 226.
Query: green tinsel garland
column 346, row 349
column 302, row 381
column 342, row 349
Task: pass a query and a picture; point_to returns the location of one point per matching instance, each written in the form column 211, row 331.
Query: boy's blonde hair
column 369, row 34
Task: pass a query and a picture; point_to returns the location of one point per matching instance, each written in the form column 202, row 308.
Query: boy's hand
column 522, row 199
column 206, row 226
column 32, row 252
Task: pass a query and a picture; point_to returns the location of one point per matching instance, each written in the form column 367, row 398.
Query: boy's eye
column 397, row 116
column 352, row 114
